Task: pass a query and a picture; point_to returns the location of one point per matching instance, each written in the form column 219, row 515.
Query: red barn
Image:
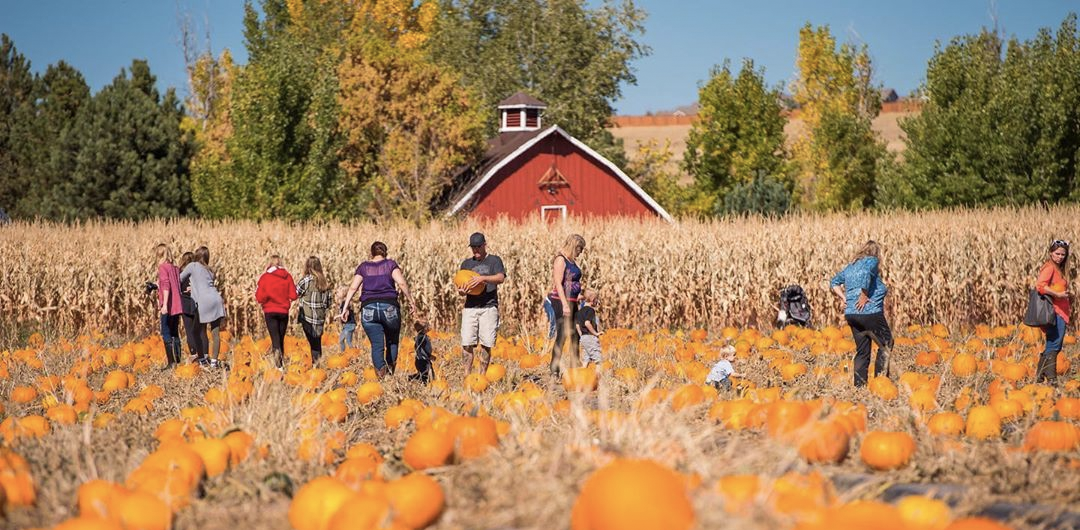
column 530, row 171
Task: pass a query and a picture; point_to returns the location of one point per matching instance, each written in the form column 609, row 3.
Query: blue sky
column 687, row 37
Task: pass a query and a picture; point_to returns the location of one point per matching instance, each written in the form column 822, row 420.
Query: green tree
column 127, row 154
column 1000, row 123
column 651, row 168
column 574, row 57
column 764, row 195
column 738, row 135
column 282, row 151
column 839, row 156
column 61, row 92
column 18, row 90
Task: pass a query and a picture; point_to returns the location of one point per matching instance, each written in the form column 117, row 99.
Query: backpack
column 794, row 307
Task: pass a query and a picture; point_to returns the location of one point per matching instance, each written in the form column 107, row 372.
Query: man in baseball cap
column 480, row 316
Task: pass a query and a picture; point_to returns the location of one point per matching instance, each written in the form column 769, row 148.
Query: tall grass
column 955, row 267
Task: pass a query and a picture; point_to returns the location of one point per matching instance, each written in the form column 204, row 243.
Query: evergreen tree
column 17, row 131
column 739, row 134
column 127, row 154
column 62, row 91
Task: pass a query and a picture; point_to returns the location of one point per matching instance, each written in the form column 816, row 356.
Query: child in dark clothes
column 425, row 369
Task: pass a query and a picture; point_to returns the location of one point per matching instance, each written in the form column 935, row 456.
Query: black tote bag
column 1040, row 310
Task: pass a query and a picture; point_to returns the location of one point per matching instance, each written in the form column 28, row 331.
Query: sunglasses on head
column 1059, row 243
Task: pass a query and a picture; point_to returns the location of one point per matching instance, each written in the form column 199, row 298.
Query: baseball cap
column 477, row 239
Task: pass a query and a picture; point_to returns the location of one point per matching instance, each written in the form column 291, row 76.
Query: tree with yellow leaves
column 839, row 155
column 409, row 124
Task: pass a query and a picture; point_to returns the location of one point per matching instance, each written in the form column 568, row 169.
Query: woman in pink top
column 169, row 306
column 1052, row 283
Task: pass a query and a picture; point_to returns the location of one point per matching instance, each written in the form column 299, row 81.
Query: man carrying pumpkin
column 480, row 317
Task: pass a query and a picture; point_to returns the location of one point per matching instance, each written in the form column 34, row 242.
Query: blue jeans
column 170, row 328
column 347, row 331
column 382, row 324
column 550, row 312
column 1055, row 335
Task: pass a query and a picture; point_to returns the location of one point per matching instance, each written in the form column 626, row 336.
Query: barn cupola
column 520, row 112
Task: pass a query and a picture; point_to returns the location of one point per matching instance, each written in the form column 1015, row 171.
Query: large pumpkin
column 825, row 442
column 462, row 278
column 639, row 494
column 1052, row 436
column 887, row 450
column 983, row 423
column 946, row 424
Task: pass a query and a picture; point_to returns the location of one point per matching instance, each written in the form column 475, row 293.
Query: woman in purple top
column 379, row 281
column 169, row 306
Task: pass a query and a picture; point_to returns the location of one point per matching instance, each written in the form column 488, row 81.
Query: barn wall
column 594, row 190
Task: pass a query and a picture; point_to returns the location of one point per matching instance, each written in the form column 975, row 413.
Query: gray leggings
column 209, row 348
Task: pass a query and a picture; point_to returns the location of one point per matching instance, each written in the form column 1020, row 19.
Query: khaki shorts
column 590, row 349
column 479, row 325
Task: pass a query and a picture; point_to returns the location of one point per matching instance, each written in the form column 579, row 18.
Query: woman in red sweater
column 1052, row 282
column 275, row 294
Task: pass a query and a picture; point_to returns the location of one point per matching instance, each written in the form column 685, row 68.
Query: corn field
column 953, row 267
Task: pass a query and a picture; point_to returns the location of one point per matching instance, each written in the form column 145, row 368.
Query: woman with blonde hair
column 1052, row 282
column 211, row 307
column 566, row 288
column 169, row 304
column 314, row 293
column 863, row 291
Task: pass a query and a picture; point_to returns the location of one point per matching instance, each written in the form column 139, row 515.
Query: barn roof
column 521, row 99
column 509, row 145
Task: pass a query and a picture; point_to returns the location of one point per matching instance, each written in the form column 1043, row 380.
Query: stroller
column 794, row 307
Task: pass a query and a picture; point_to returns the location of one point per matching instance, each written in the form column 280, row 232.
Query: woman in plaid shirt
column 314, row 293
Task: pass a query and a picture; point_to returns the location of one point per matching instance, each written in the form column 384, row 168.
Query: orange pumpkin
column 215, row 454
column 824, row 442
column 983, row 423
column 142, row 510
column 476, row 382
column 887, row 450
column 23, row 394
column 785, row 417
column 473, row 436
column 946, row 424
column 427, row 448
column 15, row 480
column 687, row 396
column 639, row 494
column 738, row 492
column 315, row 503
column 240, row 444
column 95, row 498
column 581, row 379
column 353, row 472
column 462, row 278
column 976, row 523
column 1052, row 436
column 417, row 500
column 924, row 513
column 361, row 511
column 964, row 365
column 88, row 523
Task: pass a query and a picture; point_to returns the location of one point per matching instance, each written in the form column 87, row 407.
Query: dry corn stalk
column 954, row 267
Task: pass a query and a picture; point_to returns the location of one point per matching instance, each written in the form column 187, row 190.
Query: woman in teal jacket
column 863, row 291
